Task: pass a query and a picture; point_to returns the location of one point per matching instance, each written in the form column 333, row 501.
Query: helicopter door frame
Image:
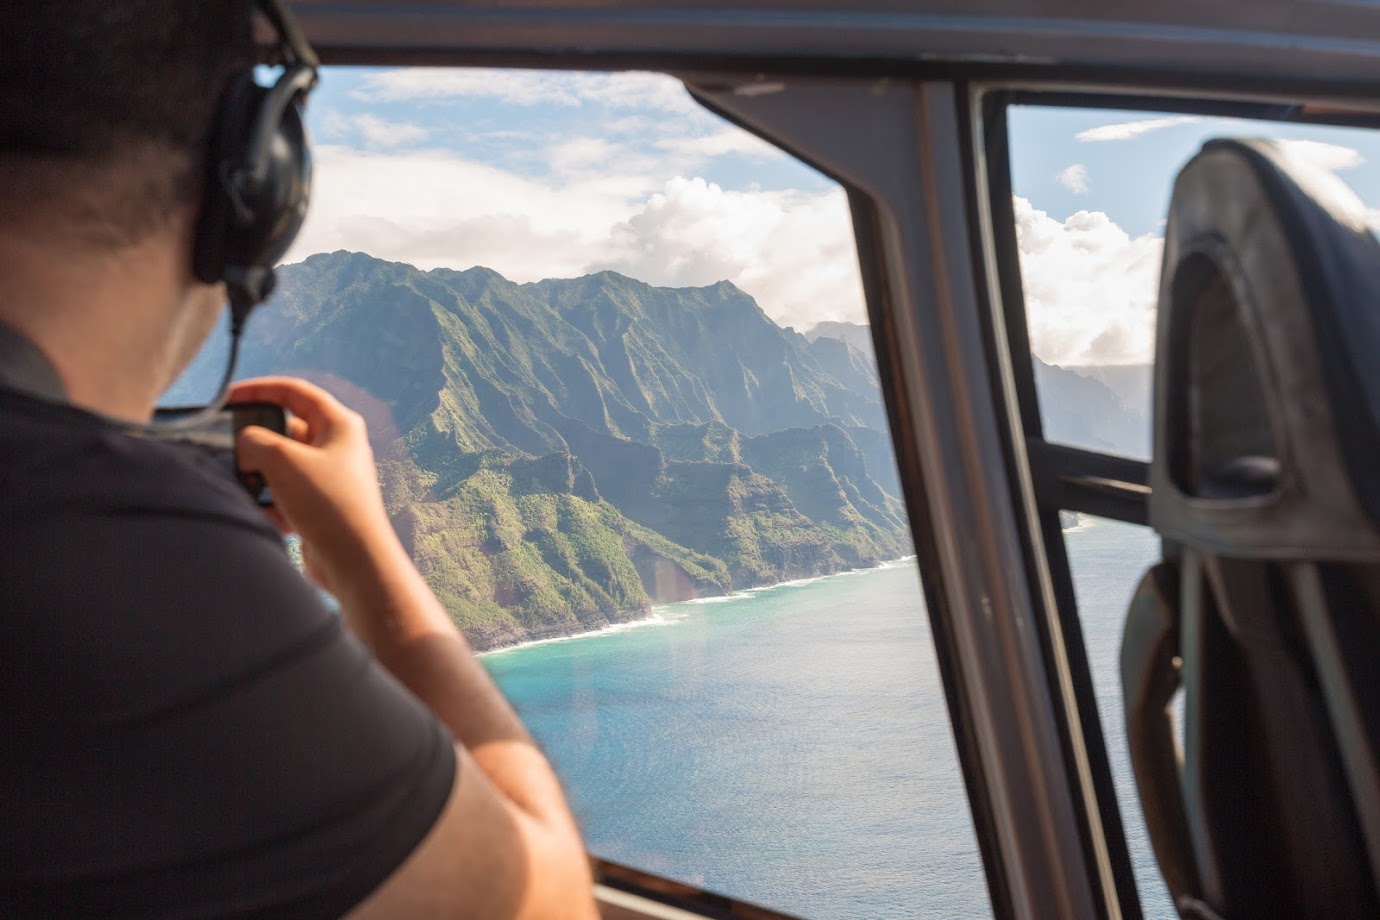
column 1015, row 677
column 1063, row 477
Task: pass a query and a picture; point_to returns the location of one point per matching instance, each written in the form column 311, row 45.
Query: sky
column 546, row 174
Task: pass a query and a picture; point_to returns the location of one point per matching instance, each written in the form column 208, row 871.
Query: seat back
column 1265, row 487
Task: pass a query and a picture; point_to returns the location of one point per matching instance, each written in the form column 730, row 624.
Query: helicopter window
column 1089, row 189
column 627, row 418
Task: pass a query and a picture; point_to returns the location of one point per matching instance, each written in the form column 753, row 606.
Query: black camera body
column 220, row 433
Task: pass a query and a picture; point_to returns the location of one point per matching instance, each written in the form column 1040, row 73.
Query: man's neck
column 106, row 321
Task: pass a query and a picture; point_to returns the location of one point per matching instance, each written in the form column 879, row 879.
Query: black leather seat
column 1266, row 489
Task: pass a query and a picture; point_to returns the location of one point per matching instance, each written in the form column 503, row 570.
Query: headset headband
column 300, row 64
column 292, row 42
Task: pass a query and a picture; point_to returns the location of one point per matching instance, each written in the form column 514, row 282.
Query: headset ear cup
column 244, row 230
column 229, row 134
column 279, row 203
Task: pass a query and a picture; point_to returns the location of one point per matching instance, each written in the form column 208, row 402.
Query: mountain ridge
column 536, row 442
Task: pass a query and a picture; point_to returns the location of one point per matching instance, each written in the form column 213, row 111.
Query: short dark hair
column 117, row 92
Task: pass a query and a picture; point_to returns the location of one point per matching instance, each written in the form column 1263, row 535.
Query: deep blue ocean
column 791, row 746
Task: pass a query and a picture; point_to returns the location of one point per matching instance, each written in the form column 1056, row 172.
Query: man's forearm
column 389, row 606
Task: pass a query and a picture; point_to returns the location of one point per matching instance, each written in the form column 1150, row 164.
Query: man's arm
column 506, row 844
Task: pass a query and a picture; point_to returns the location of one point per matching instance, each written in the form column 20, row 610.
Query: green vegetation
column 559, row 456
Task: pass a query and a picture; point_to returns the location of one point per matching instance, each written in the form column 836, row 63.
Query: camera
column 219, row 434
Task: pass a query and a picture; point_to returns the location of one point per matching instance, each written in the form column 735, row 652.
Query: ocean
column 791, row 746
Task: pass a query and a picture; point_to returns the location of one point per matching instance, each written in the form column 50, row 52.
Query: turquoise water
column 791, row 746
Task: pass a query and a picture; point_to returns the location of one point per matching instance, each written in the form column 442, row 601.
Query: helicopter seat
column 1265, row 487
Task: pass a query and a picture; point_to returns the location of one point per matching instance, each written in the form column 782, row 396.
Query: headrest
column 1267, row 364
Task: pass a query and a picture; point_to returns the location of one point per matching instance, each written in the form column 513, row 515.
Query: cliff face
column 561, row 455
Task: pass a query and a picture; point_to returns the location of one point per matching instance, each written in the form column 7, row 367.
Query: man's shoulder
column 59, row 460
column 178, row 683
column 140, row 570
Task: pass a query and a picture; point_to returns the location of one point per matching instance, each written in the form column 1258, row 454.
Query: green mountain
column 560, row 455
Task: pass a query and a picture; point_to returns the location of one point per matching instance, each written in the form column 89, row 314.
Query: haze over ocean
column 791, row 746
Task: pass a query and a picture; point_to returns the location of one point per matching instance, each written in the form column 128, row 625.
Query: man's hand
column 323, row 478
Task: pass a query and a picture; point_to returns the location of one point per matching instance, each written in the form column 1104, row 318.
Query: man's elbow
column 560, row 884
column 487, row 858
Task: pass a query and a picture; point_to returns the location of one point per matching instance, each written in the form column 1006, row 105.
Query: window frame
column 679, row 897
column 1198, row 51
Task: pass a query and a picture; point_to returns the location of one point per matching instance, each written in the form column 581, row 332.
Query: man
column 188, row 731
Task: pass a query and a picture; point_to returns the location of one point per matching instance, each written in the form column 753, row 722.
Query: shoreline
column 655, row 618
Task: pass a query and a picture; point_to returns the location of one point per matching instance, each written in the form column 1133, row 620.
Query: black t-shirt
column 185, row 729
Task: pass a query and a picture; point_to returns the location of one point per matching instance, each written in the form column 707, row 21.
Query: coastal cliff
column 560, row 456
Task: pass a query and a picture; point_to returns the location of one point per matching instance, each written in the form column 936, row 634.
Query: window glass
column 628, row 423
column 1092, row 190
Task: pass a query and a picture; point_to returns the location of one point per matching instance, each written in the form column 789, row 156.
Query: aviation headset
column 258, row 180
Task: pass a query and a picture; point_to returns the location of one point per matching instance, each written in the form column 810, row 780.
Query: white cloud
column 1074, row 178
column 632, row 90
column 373, row 130
column 562, row 204
column 580, row 153
column 792, row 251
column 432, row 208
column 384, row 133
column 603, row 201
column 1090, row 288
column 1124, row 131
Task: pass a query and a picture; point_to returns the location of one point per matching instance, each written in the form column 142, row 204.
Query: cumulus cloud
column 793, row 251
column 433, row 208
column 1074, row 178
column 1090, row 288
column 603, row 201
column 634, row 90
column 1124, row 131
